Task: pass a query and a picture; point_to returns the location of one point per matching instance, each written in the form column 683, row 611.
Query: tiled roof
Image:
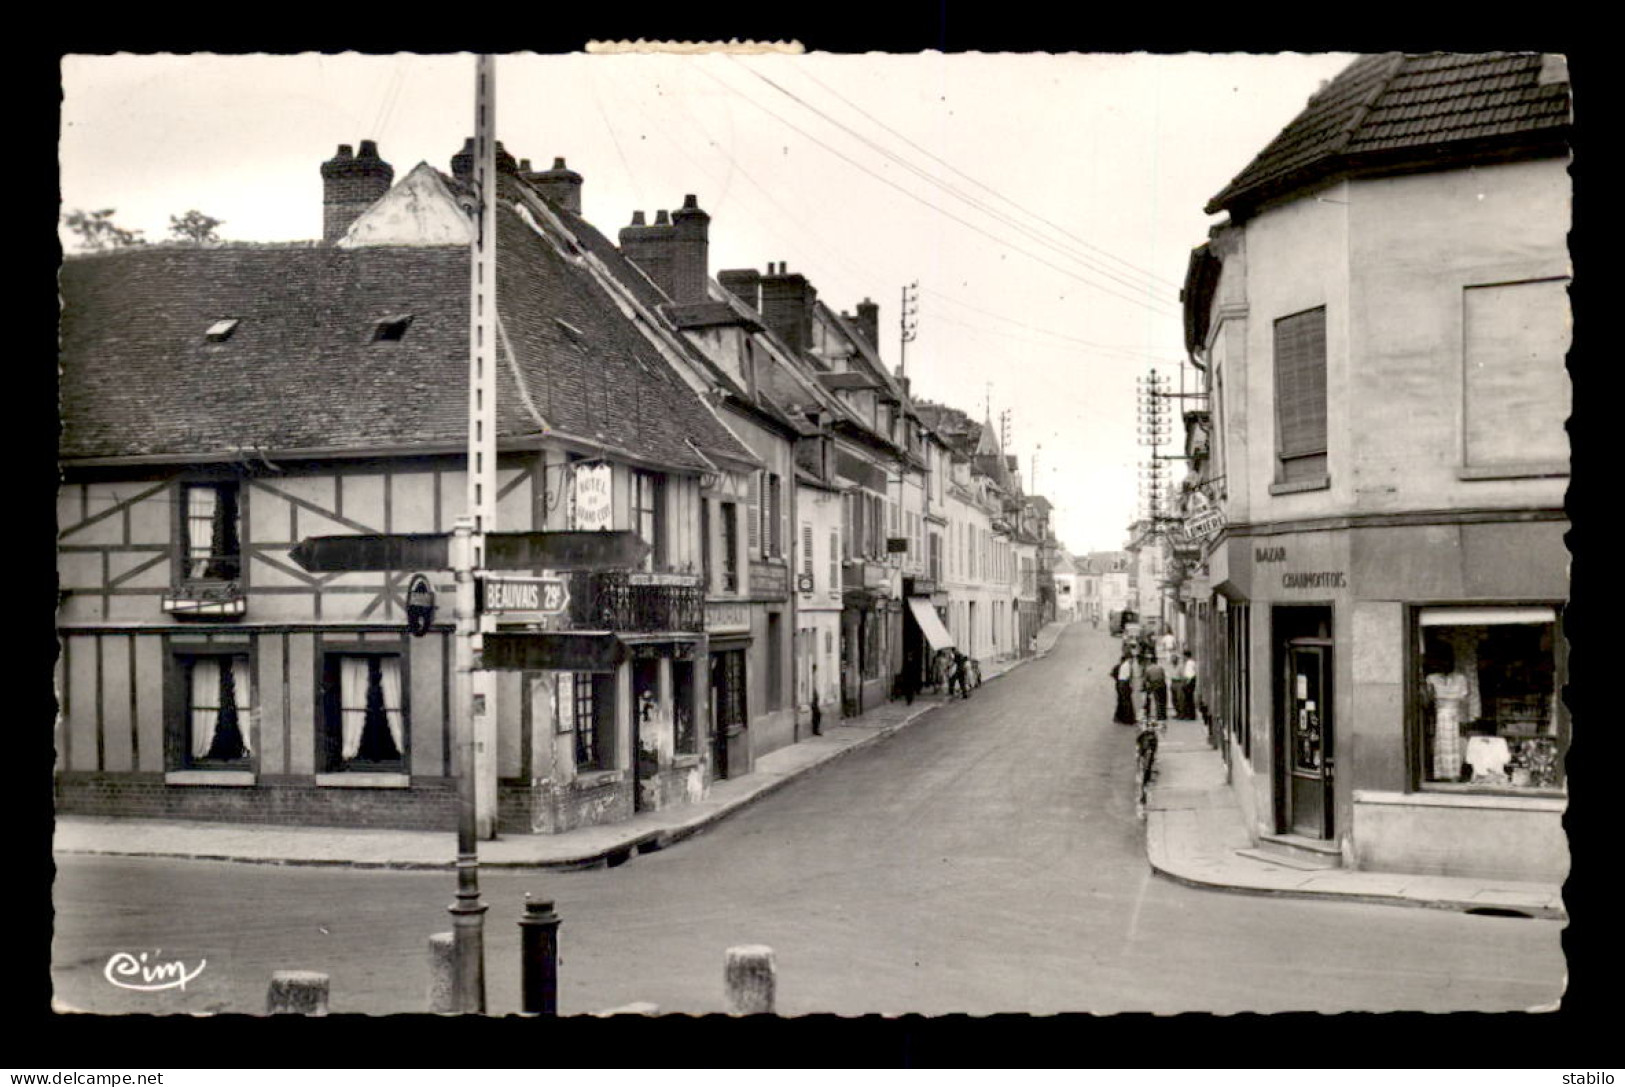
column 300, row 371
column 1394, row 110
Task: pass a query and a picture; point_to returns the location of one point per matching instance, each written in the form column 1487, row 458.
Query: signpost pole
column 468, row 912
column 468, row 544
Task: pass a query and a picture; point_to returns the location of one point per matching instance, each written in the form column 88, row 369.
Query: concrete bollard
column 297, row 992
column 640, row 1007
column 749, row 977
column 539, row 958
column 443, row 973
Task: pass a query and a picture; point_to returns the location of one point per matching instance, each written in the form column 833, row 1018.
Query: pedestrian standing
column 1176, row 686
column 1165, row 646
column 1190, row 686
column 958, row 677
column 1123, row 679
column 817, row 710
column 1156, row 690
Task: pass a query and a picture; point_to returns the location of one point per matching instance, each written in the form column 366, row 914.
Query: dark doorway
column 727, row 706
column 1304, row 733
column 645, row 715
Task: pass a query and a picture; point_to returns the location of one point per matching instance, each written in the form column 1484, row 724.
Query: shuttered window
column 834, row 566
column 753, row 515
column 1300, row 395
column 1517, row 390
column 775, row 506
column 806, row 549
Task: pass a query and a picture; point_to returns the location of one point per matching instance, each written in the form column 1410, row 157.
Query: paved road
column 988, row 859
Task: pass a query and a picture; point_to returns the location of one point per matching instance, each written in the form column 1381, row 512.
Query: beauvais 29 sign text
column 530, row 595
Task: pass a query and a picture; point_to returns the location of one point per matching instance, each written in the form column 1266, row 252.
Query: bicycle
column 1145, row 759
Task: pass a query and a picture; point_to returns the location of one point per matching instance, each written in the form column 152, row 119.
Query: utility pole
column 908, row 318
column 468, row 544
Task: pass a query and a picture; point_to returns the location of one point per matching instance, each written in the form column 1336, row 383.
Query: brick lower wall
column 429, row 804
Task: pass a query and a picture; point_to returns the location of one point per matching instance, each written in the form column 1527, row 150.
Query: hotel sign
column 1205, row 520
column 594, row 505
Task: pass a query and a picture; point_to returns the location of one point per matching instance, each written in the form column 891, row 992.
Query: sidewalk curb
column 612, row 856
column 1161, row 868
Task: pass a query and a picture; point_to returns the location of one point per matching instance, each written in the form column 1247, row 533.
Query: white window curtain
column 245, row 702
column 200, row 502
column 352, row 703
column 205, row 705
column 389, row 674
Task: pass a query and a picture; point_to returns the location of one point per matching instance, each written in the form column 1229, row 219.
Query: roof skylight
column 391, row 328
column 222, row 329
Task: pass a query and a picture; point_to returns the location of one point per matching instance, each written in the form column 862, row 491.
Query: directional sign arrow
column 503, row 551
column 354, row 554
column 564, row 550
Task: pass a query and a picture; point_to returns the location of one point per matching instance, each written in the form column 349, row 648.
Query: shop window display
column 1490, row 715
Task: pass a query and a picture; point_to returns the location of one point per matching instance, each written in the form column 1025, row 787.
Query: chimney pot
column 691, row 201
column 637, row 218
column 661, row 219
column 558, row 162
column 350, row 185
column 524, row 166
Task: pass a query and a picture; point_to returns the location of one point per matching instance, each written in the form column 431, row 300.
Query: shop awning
column 925, row 615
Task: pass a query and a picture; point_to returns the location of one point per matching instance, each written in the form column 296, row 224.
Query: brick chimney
column 650, row 247
column 869, row 322
column 744, row 284
column 674, row 251
column 691, row 252
column 559, row 186
column 462, row 163
column 787, row 306
column 351, row 184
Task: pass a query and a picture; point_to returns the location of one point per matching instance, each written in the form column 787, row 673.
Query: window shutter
column 806, row 549
column 778, row 517
column 753, row 514
column 1300, row 384
column 854, row 527
column 834, row 566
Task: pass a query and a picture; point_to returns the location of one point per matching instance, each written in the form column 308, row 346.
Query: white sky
column 1103, row 161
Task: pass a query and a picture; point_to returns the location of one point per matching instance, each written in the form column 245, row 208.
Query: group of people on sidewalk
column 1161, row 672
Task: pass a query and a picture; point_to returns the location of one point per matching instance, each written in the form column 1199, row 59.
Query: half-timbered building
column 219, row 405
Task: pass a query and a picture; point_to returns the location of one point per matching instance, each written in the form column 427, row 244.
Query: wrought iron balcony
column 636, row 601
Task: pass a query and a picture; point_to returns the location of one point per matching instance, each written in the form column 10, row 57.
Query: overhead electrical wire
column 939, row 210
column 1043, row 239
column 1129, row 265
column 835, row 255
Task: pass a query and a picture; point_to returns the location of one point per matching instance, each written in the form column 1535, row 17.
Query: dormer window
column 391, row 328
column 221, row 330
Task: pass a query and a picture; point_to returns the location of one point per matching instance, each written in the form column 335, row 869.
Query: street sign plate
column 523, row 595
column 558, row 651
column 355, row 554
column 573, row 550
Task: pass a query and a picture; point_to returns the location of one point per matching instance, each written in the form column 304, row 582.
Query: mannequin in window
column 1445, row 688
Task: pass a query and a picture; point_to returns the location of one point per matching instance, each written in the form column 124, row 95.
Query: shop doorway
column 645, row 724
column 727, row 708
column 1304, row 724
